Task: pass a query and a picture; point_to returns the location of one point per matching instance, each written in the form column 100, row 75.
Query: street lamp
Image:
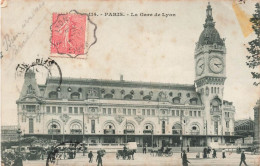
column 152, row 137
column 19, row 132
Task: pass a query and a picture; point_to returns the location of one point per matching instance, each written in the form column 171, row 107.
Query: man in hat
column 243, row 158
column 184, row 159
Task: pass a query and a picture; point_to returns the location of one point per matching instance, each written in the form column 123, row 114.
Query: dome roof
column 210, row 36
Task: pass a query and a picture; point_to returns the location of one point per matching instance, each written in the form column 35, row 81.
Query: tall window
column 114, row 110
column 104, row 111
column 182, row 113
column 148, row 112
column 173, row 112
column 195, row 113
column 81, row 110
column 109, row 111
column 199, row 113
column 30, row 125
column 59, row 110
column 134, row 111
column 70, row 110
column 153, row 112
column 30, row 108
column 76, row 110
column 177, row 113
column 215, row 105
column 48, row 109
column 163, row 127
column 124, row 111
column 216, row 127
column 227, row 124
column 129, row 111
column 190, row 113
column 143, row 111
column 54, row 110
column 92, row 126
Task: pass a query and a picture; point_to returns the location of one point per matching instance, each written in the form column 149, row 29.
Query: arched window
column 128, row 97
column 75, row 128
column 194, row 101
column 176, row 129
column 109, row 128
column 54, row 128
column 195, row 129
column 176, row 100
column 75, row 96
column 215, row 105
column 53, row 95
column 129, row 128
column 108, row 96
column 148, row 128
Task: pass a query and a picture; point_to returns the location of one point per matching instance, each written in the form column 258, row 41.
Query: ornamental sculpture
column 119, row 119
column 139, row 119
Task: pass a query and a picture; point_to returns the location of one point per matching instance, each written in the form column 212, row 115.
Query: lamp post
column 181, row 133
column 152, row 137
column 19, row 132
column 126, row 132
column 83, row 136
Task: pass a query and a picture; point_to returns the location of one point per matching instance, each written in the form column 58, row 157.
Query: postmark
column 71, row 34
column 37, row 66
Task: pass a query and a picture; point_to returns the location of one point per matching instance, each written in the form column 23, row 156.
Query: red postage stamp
column 69, row 35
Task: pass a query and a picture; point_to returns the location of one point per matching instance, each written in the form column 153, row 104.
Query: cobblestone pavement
column 109, row 159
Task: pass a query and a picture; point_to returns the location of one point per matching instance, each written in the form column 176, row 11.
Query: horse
column 130, row 154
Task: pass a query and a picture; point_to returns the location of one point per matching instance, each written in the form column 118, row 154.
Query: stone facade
column 257, row 125
column 107, row 111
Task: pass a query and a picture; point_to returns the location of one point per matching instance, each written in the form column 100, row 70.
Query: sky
column 142, row 48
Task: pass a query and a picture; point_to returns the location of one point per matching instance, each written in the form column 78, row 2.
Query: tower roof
column 209, row 35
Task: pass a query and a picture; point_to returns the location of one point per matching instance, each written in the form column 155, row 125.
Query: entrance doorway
column 147, row 140
column 194, row 141
column 176, row 141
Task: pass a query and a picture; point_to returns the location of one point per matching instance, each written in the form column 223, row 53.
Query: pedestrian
column 145, row 148
column 243, row 158
column 184, row 159
column 99, row 159
column 223, row 153
column 205, row 152
column 214, row 155
column 124, row 151
column 18, row 160
column 90, row 156
column 208, row 151
column 188, row 148
column 74, row 153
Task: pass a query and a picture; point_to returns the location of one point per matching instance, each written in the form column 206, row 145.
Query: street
column 109, row 159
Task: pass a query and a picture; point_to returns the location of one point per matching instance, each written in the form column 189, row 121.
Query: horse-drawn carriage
column 162, row 152
column 128, row 154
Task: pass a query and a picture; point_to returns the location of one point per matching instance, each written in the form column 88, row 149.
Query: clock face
column 200, row 66
column 216, row 65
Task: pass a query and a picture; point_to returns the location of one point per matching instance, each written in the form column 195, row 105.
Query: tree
column 253, row 60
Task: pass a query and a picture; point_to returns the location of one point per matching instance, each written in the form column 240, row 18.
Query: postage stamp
column 70, row 35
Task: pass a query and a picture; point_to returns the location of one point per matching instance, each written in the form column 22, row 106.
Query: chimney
column 121, row 77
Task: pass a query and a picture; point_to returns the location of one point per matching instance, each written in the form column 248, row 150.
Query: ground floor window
column 109, row 140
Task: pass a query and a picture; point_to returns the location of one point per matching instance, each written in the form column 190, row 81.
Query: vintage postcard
column 139, row 82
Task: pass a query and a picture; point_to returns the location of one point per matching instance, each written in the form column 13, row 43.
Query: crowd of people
column 53, row 154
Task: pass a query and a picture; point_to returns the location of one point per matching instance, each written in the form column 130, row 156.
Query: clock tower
column 210, row 74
